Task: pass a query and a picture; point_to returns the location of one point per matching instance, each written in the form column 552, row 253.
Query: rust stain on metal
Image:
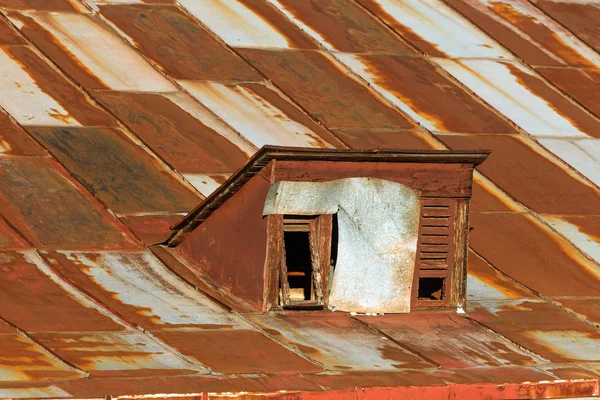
column 560, row 104
column 9, row 239
column 118, row 172
column 531, row 35
column 8, row 35
column 581, row 84
column 85, row 49
column 23, row 360
column 587, row 308
column 339, row 342
column 383, row 139
column 180, row 46
column 151, row 229
column 14, row 141
column 487, row 283
column 540, row 327
column 115, row 354
column 425, row 46
column 189, row 140
column 343, row 26
column 451, row 341
column 565, row 273
column 48, row 98
column 142, row 290
column 27, row 284
column 485, row 199
column 324, row 90
column 43, row 5
column 248, row 23
column 418, row 89
column 221, row 351
column 50, row 210
column 580, row 17
column 525, row 174
column 261, row 114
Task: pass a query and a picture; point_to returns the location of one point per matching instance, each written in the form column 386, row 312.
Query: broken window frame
column 319, row 229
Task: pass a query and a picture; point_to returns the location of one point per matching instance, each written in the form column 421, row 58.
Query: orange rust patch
column 346, row 26
column 434, row 97
column 182, row 48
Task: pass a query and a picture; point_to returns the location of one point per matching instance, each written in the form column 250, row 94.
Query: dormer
column 382, row 231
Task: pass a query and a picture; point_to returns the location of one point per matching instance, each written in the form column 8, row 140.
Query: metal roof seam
column 93, row 101
column 537, row 294
column 398, row 343
column 22, row 332
column 231, row 49
column 117, row 316
column 281, row 342
column 130, row 134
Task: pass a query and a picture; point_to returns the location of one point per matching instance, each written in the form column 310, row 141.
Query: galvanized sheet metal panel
column 452, row 341
column 523, row 97
column 583, row 155
column 206, row 184
column 9, row 239
column 414, row 86
column 525, row 249
column 141, row 289
column 259, row 113
column 182, row 132
column 580, row 17
column 222, row 350
column 248, row 23
column 35, row 93
column 583, row 85
column 484, row 282
column 178, row 44
column 436, row 29
column 120, row 173
column 529, row 175
column 339, row 343
column 528, row 32
column 343, row 26
column 51, row 211
column 582, row 231
column 87, row 50
column 14, row 141
column 44, row 5
column 540, row 327
column 23, row 360
column 151, row 229
column 332, row 96
column 8, row 35
column 385, row 139
column 35, row 298
column 117, row 354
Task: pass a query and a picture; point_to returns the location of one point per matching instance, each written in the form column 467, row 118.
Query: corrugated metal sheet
column 35, row 93
column 436, row 29
column 431, row 99
column 248, row 23
column 340, row 343
column 142, row 100
column 34, row 187
column 332, row 97
column 86, row 51
column 523, row 97
column 118, row 172
column 182, row 48
column 260, row 114
column 342, row 26
column 139, row 288
column 529, row 33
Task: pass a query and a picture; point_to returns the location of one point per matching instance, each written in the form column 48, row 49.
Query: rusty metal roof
column 118, row 117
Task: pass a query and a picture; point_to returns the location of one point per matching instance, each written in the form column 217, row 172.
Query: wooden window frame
column 319, row 229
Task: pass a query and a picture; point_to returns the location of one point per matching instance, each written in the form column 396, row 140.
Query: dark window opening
column 299, row 266
column 431, row 288
column 301, row 278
